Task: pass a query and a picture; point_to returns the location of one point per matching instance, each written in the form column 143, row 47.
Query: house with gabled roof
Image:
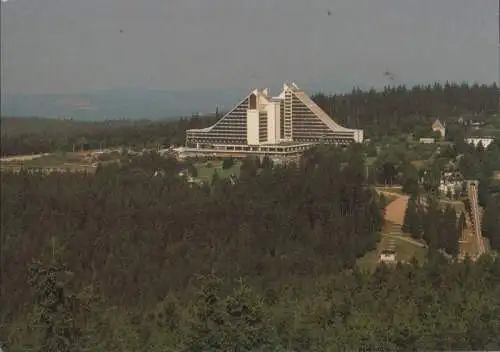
column 440, row 127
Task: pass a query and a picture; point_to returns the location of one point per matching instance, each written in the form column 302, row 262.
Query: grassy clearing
column 370, row 161
column 457, row 205
column 405, row 251
column 389, row 198
column 60, row 161
column 206, row 170
column 419, row 164
column 468, row 243
column 406, row 248
column 53, row 160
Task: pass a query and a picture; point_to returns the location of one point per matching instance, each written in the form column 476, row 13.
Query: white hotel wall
column 273, row 122
column 253, row 127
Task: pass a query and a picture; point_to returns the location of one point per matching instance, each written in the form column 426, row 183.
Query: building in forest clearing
column 452, row 184
column 427, row 140
column 480, row 138
column 439, row 127
column 388, row 256
column 281, row 127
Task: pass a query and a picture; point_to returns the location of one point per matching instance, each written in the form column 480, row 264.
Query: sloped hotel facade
column 281, row 126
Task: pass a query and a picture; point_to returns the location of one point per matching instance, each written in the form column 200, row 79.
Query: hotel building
column 281, row 126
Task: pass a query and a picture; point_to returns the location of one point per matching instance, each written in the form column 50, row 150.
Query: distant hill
column 136, row 104
column 20, row 125
column 119, row 104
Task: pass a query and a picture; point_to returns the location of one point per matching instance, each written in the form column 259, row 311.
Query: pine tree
column 412, row 221
column 56, row 307
column 462, row 224
column 450, row 232
column 227, row 163
column 215, row 178
column 193, row 171
column 410, row 180
column 267, row 163
column 491, row 222
column 430, row 223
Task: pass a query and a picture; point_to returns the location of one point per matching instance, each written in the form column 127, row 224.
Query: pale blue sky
column 58, row 46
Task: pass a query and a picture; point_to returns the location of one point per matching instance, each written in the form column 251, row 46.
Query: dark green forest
column 398, row 109
column 392, row 111
column 420, row 221
column 438, row 227
column 23, row 135
column 124, row 260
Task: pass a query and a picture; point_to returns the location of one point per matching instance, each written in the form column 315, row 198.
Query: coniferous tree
column 227, row 163
column 267, row 163
column 430, row 222
column 412, row 220
column 491, row 222
column 139, row 238
column 462, row 223
column 56, row 307
column 450, row 232
column 193, row 171
column 215, row 178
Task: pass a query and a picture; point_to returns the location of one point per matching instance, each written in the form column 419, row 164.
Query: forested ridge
column 398, row 109
column 395, row 110
column 439, row 306
column 124, row 260
column 24, row 135
column 123, row 213
column 138, row 237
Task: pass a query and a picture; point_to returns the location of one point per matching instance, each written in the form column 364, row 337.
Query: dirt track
column 395, row 211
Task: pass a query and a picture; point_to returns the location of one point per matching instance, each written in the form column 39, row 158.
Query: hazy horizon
column 74, row 46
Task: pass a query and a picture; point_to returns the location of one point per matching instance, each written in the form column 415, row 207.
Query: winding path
column 395, row 210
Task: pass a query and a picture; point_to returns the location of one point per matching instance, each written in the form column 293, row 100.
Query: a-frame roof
column 315, row 109
column 437, row 124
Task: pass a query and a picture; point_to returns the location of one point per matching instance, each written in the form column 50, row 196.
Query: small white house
column 388, row 256
column 451, row 183
column 485, row 141
column 439, row 127
column 427, row 140
column 476, row 124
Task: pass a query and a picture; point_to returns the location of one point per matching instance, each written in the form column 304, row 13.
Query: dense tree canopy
column 396, row 110
column 135, row 256
column 37, row 135
column 287, row 221
column 391, row 111
column 118, row 254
